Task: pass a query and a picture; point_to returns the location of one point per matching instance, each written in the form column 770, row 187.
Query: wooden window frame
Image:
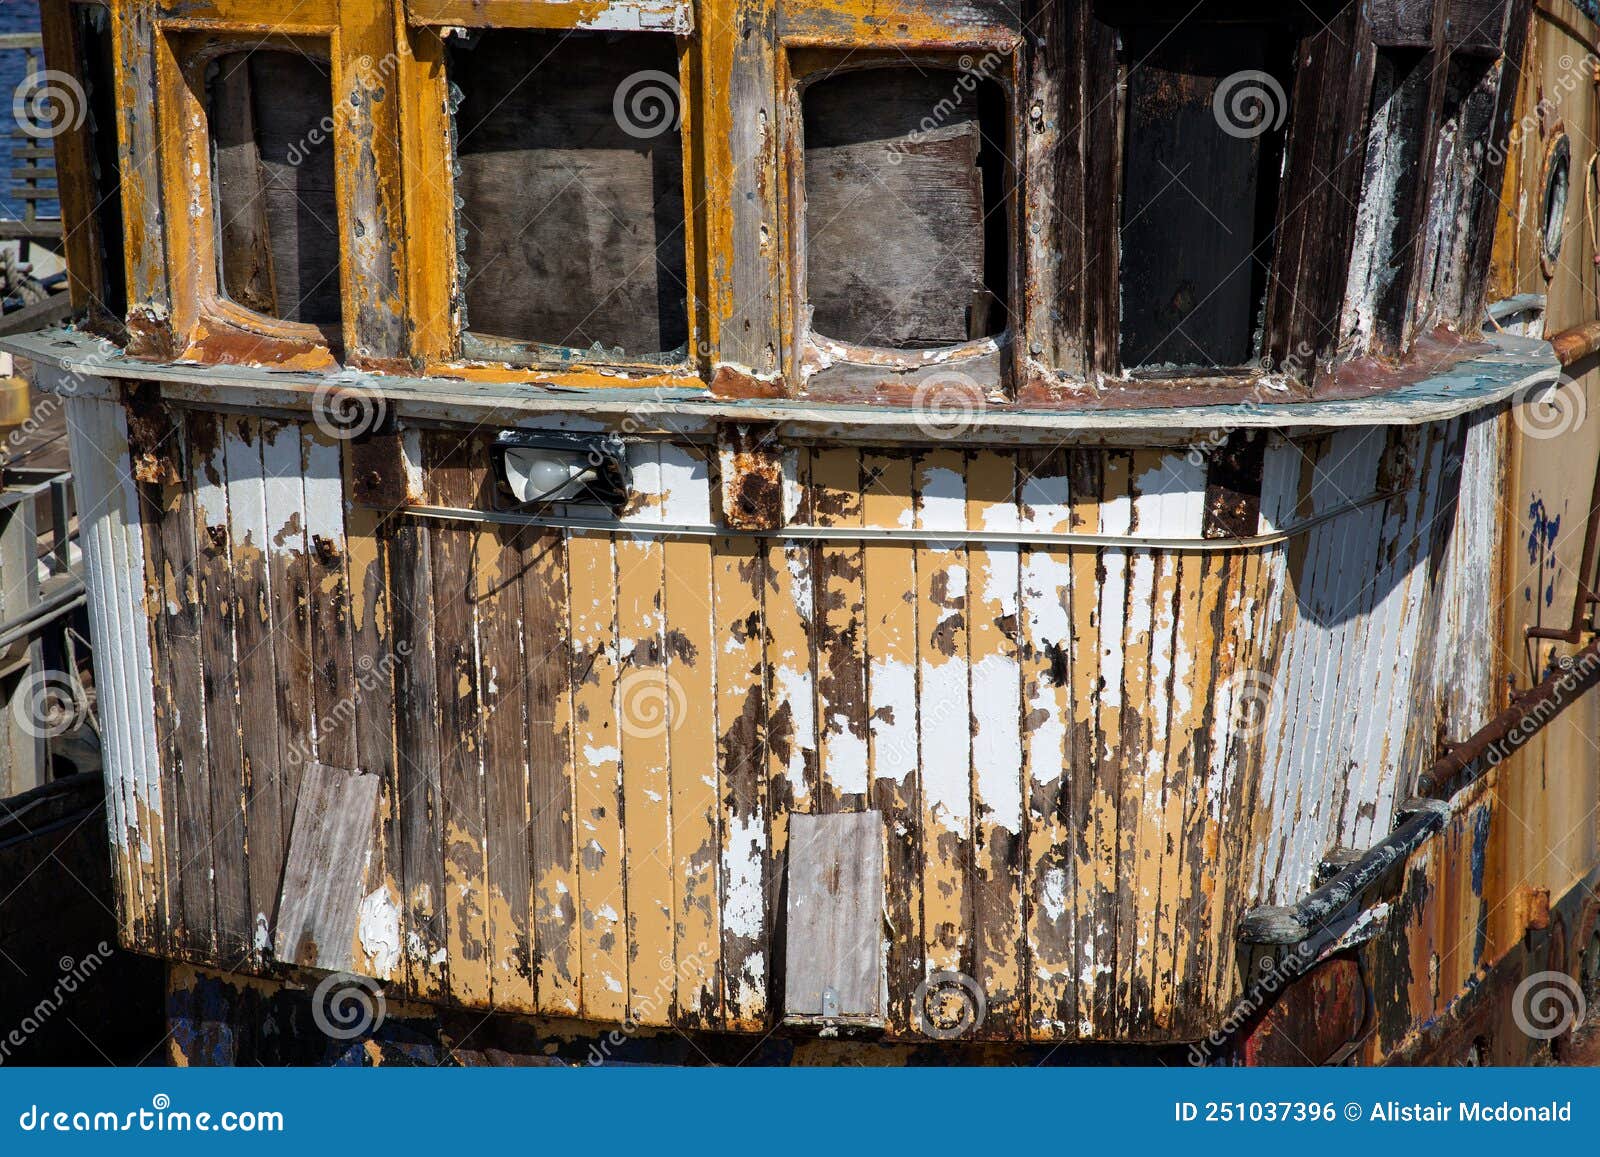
column 821, row 366
column 206, row 323
column 441, row 340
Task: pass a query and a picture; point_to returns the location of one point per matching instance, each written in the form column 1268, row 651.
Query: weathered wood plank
column 834, row 962
column 219, row 666
column 1115, row 719
column 888, row 498
column 945, row 718
column 1045, row 630
column 841, row 666
column 647, row 702
column 419, row 794
column 998, row 843
column 551, row 774
column 597, row 756
column 691, row 659
column 737, row 583
column 453, row 468
column 329, row 846
column 379, row 653
column 498, row 561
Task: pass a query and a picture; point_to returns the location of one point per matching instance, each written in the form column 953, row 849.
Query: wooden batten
column 330, row 849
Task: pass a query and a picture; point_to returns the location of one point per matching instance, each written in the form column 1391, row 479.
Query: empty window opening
column 93, row 30
column 907, row 196
column 570, row 191
column 1206, row 112
column 271, row 118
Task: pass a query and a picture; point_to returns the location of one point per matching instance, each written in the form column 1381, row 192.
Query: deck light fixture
column 549, row 467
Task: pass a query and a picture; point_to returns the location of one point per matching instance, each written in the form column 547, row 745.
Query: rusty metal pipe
column 1527, row 714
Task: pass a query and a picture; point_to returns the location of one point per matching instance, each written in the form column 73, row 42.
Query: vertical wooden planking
column 454, row 467
column 333, row 673
column 645, row 696
column 419, row 791
column 1135, row 885
column 789, row 627
column 737, row 582
column 691, row 659
column 1046, row 632
column 1115, row 720
column 288, row 606
column 248, row 538
column 945, row 718
column 597, row 760
column 497, row 594
column 1093, row 814
column 219, row 665
column 789, row 618
column 890, row 576
column 552, row 777
column 1169, row 501
column 188, row 813
column 841, row 673
column 378, row 655
column 998, row 841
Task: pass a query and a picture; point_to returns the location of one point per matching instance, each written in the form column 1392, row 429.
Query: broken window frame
column 820, row 365
column 206, row 323
column 442, row 343
column 86, row 233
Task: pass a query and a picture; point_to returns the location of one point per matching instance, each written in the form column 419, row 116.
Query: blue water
column 15, row 16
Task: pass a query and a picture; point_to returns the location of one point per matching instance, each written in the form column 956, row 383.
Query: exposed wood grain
column 453, row 467
column 253, row 649
column 647, row 701
column 420, row 796
column 572, row 216
column 551, row 773
column 945, row 718
column 841, row 669
column 691, row 660
column 888, row 498
column 596, row 756
column 835, row 917
column 498, row 562
column 998, row 843
column 233, row 933
column 894, row 210
column 329, row 845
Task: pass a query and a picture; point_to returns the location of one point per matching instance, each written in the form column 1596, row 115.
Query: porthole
column 1557, row 180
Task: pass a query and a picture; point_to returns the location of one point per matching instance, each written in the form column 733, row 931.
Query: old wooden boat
column 827, row 530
